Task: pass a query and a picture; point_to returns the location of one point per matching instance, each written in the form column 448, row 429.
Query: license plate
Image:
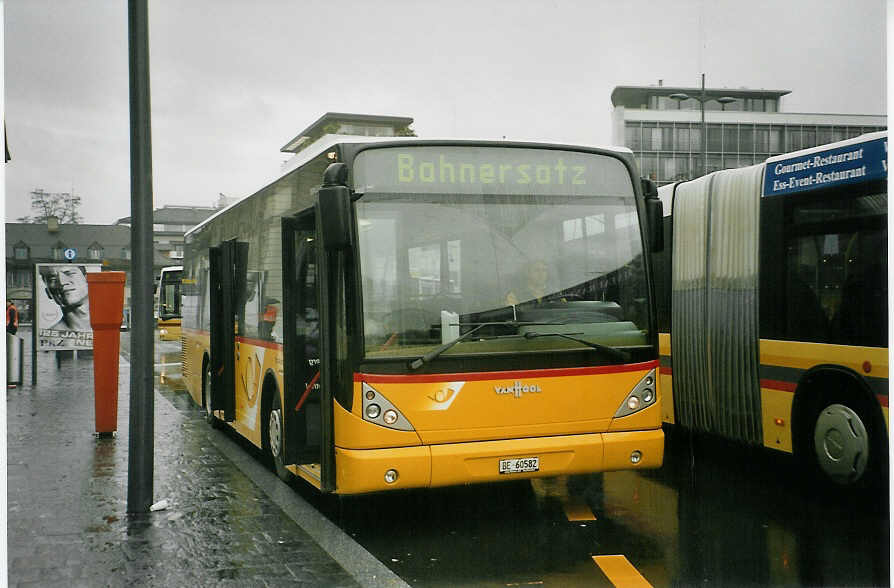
column 519, row 465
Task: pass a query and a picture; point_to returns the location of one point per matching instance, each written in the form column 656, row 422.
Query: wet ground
column 715, row 514
column 749, row 521
column 67, row 523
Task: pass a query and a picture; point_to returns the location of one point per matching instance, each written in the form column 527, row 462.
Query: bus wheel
column 845, row 449
column 275, row 437
column 206, row 399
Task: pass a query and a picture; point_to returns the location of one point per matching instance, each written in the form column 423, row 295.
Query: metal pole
column 34, row 278
column 142, row 393
column 704, row 131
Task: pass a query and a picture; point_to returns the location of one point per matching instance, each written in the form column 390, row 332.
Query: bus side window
column 862, row 318
column 252, row 303
column 308, row 320
column 805, row 318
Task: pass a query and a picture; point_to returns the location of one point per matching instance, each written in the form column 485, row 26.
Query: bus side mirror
column 334, row 208
column 654, row 215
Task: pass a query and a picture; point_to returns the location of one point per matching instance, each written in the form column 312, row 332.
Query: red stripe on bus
column 779, row 385
column 307, row 391
column 882, row 399
column 472, row 377
column 665, row 369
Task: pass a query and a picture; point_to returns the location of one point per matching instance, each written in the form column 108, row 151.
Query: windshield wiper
column 420, row 361
column 616, row 353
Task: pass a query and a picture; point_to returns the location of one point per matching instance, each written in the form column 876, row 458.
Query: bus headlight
column 378, row 410
column 642, row 396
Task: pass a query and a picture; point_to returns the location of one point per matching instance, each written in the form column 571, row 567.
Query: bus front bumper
column 367, row 470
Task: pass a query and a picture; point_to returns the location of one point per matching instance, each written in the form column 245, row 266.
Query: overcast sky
column 233, row 81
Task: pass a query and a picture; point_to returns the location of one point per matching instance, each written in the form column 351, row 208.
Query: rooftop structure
column 341, row 123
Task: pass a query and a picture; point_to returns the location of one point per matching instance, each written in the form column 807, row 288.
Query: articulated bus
column 168, row 303
column 773, row 287
column 369, row 319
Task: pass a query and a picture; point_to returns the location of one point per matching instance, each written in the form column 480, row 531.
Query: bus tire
column 845, row 448
column 206, row 398
column 274, row 439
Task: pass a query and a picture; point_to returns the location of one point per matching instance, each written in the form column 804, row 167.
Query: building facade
column 30, row 243
column 169, row 224
column 663, row 127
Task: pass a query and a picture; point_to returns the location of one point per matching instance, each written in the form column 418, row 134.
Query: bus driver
column 536, row 286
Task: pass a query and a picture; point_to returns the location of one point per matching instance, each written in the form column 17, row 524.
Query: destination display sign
column 857, row 162
column 489, row 170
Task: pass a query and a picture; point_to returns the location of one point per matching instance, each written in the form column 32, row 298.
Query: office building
column 662, row 125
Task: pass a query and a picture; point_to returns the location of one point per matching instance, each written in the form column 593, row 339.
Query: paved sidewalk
column 67, row 494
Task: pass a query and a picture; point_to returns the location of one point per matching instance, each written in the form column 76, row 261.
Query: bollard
column 14, row 359
column 106, row 293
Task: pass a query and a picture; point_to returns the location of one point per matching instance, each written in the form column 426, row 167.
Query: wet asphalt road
column 715, row 514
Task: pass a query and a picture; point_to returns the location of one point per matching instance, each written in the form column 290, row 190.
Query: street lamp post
column 702, row 98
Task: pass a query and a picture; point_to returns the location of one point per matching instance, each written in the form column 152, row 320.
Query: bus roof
column 327, row 142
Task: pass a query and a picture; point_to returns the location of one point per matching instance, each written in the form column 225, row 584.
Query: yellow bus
column 168, row 303
column 773, row 307
column 402, row 313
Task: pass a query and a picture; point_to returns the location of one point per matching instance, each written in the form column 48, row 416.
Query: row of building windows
column 19, row 278
column 21, row 251
column 673, row 151
column 737, row 104
column 162, row 228
column 366, row 130
column 667, row 167
column 745, row 138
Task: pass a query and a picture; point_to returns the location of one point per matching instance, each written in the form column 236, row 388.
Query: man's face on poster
column 67, row 285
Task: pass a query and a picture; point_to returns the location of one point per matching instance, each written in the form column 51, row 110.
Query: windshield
column 438, row 259
column 169, row 294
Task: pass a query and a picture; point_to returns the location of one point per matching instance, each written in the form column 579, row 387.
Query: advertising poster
column 62, row 309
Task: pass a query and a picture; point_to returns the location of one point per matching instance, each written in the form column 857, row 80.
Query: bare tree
column 63, row 205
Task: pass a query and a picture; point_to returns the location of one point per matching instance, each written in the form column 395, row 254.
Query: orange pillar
column 106, row 293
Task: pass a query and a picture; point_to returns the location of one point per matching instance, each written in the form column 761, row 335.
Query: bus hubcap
column 841, row 443
column 275, row 432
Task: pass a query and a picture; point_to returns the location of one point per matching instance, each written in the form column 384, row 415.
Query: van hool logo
column 518, row 389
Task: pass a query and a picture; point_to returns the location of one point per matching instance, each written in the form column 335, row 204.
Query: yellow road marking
column 578, row 511
column 620, row 572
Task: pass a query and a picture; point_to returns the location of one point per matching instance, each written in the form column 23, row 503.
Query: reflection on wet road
column 714, row 514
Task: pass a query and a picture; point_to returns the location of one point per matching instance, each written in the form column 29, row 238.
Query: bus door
column 302, row 396
column 227, row 279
